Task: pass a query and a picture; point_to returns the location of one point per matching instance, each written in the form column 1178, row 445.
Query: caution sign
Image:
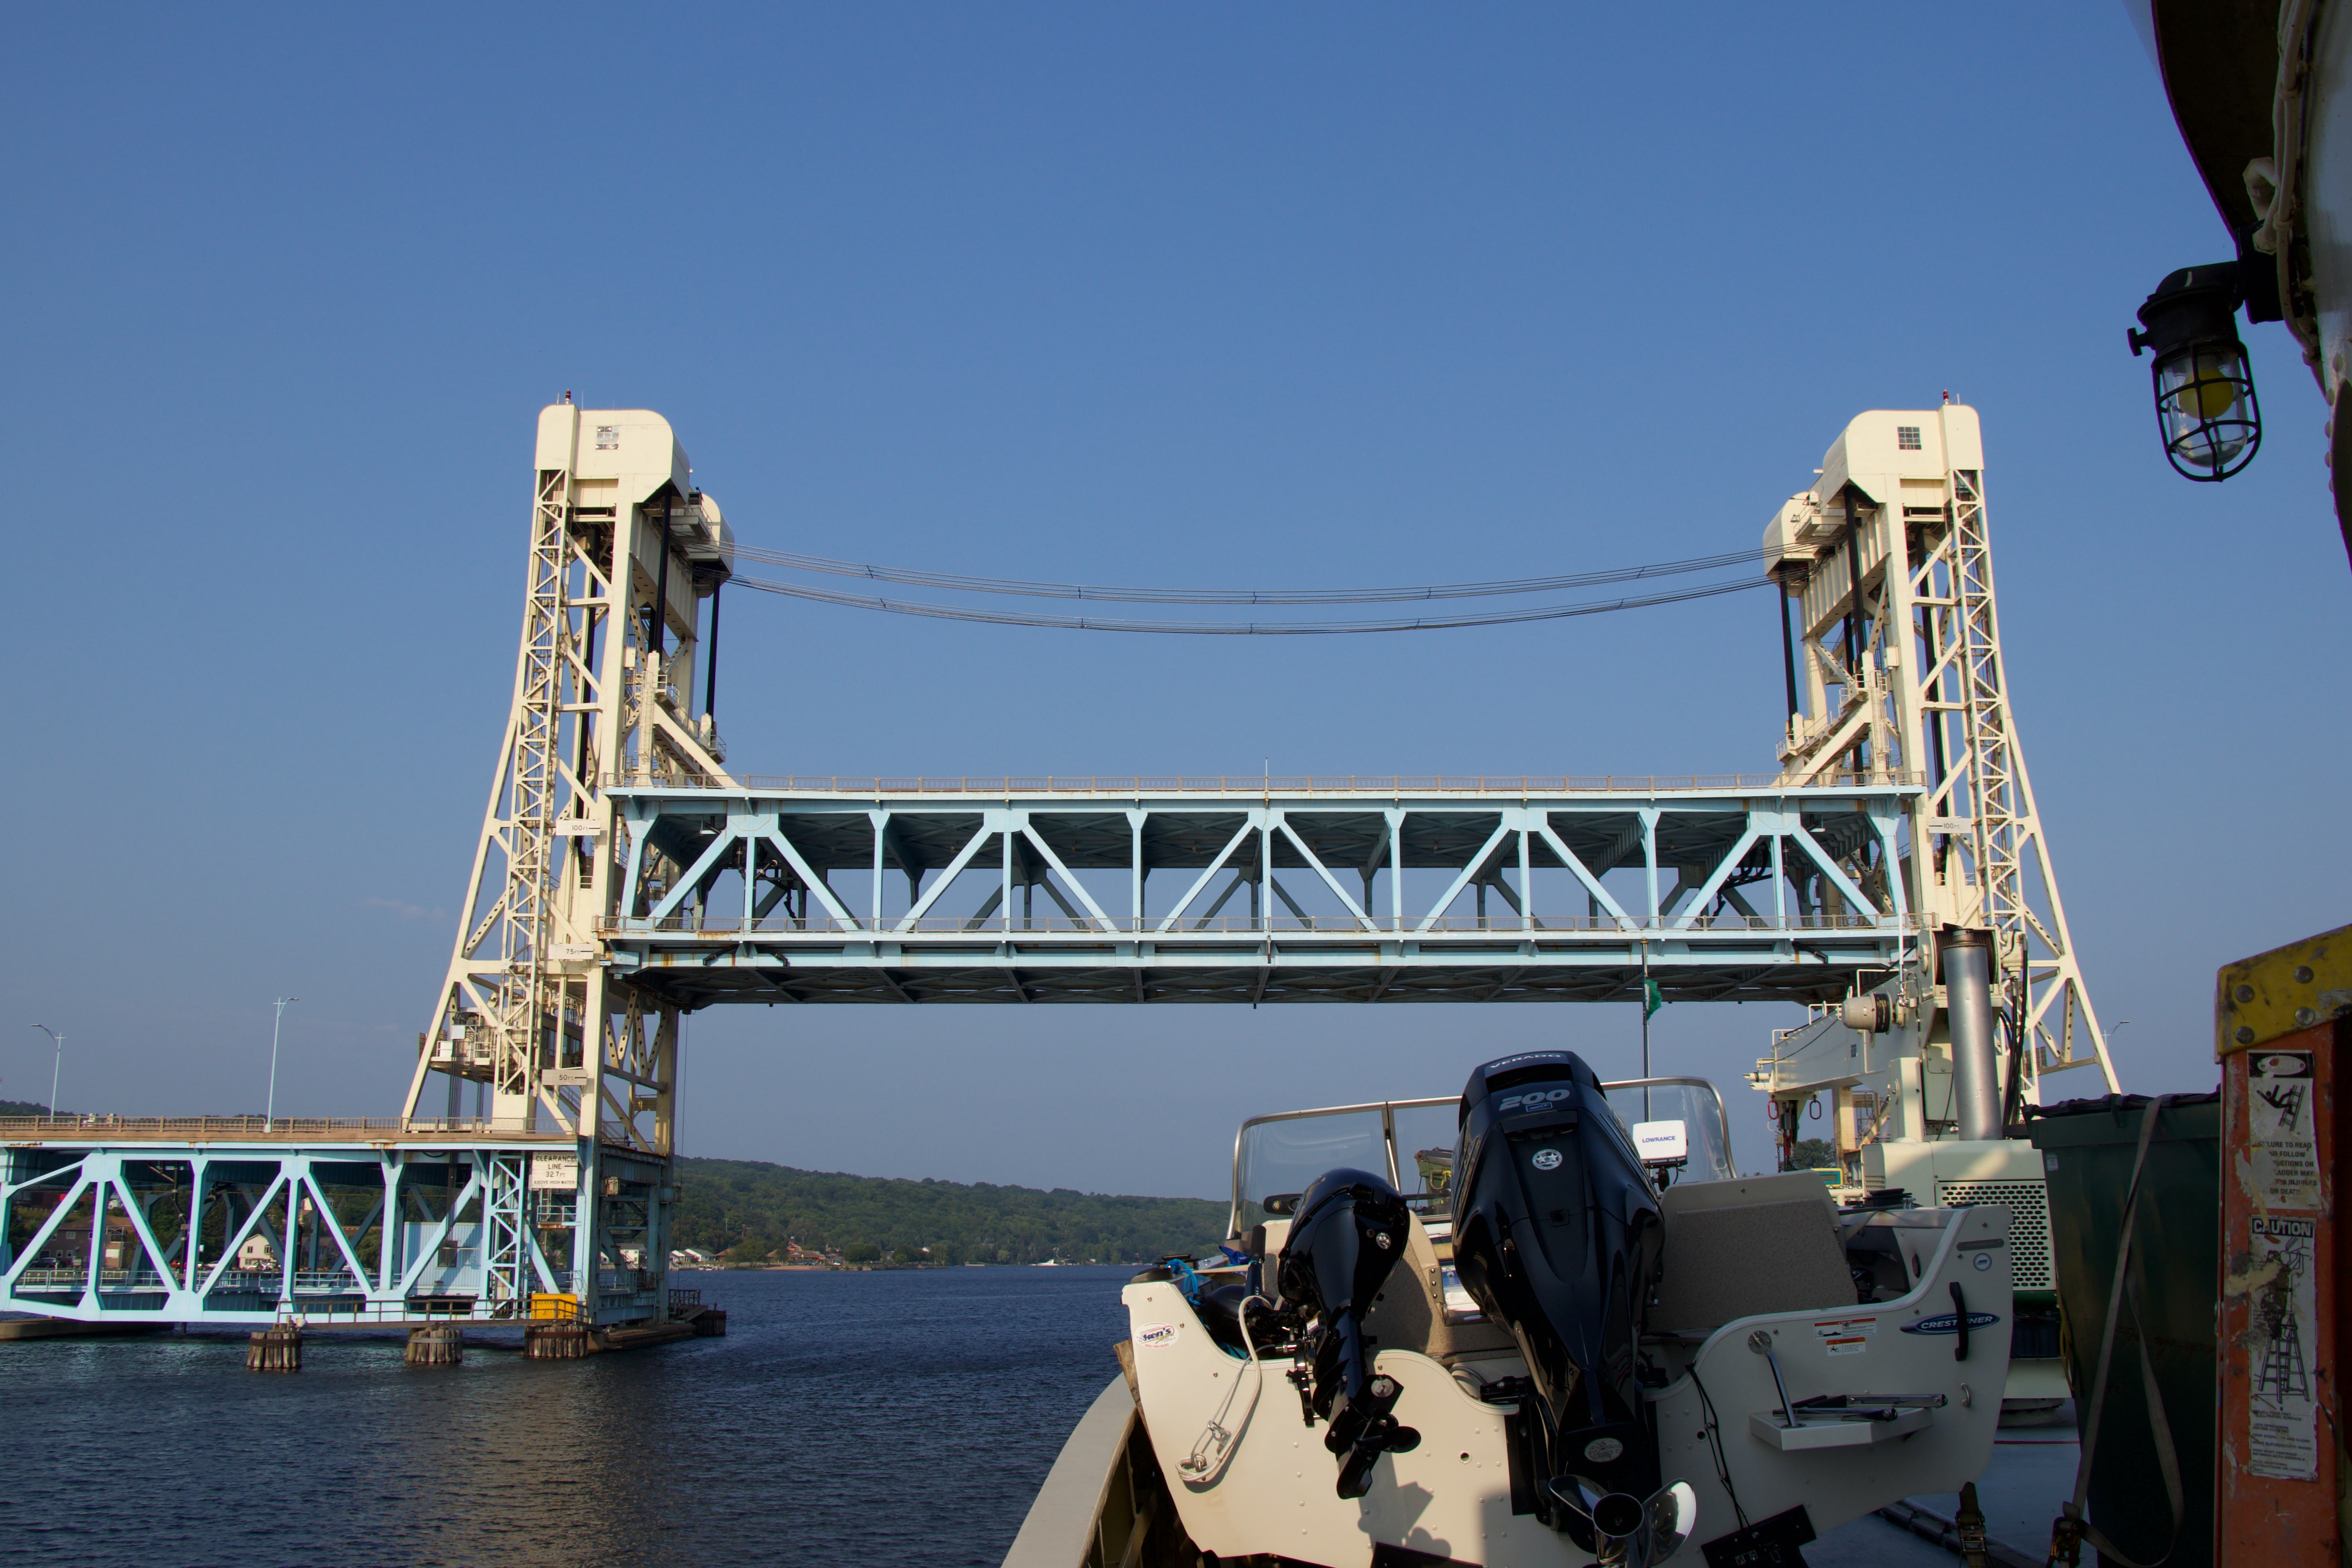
column 2283, row 1415
column 2282, row 1137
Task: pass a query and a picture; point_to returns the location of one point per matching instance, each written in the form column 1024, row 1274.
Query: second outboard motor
column 1351, row 1229
column 1557, row 1236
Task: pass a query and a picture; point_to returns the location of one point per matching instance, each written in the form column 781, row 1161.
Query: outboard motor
column 1351, row 1229
column 1557, row 1236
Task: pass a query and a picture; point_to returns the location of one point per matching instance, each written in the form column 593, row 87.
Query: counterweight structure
column 623, row 552
column 1894, row 661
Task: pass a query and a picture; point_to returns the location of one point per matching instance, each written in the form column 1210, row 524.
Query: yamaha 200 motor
column 1557, row 1236
column 1351, row 1229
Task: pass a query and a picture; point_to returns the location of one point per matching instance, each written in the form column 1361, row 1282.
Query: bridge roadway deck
column 798, row 891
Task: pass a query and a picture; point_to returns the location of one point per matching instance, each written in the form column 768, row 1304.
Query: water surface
column 901, row 1417
column 890, row 1418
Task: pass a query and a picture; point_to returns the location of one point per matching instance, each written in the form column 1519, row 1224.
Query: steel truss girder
column 336, row 1218
column 678, row 939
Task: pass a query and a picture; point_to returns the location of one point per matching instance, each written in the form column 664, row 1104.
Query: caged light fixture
column 2205, row 407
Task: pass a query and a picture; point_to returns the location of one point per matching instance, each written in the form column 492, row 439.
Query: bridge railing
column 690, row 924
column 276, row 1130
column 37, row 1278
column 1514, row 785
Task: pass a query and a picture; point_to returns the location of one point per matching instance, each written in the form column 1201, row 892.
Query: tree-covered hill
column 749, row 1208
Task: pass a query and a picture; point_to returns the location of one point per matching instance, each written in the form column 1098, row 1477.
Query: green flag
column 1650, row 1000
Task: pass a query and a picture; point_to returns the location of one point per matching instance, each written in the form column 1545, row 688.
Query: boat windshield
column 1686, row 1111
column 1410, row 1143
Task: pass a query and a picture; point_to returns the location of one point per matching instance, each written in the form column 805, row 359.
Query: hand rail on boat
column 1389, row 1108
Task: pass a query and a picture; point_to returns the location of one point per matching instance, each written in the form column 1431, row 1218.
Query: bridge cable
column 1257, row 628
column 799, row 563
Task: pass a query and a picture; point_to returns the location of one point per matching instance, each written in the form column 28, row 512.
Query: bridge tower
column 1890, row 647
column 613, row 685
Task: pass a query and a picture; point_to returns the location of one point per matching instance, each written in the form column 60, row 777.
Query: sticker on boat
column 1949, row 1324
column 1843, row 1328
column 1153, row 1334
column 1849, row 1344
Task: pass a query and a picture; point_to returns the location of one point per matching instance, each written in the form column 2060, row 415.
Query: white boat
column 1539, row 1323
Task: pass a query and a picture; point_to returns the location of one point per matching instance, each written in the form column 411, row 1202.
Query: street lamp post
column 55, row 1067
column 270, row 1115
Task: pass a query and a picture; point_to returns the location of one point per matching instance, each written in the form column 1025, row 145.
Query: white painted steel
column 622, row 550
column 1897, row 512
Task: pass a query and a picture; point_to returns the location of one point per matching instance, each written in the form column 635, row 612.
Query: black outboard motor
column 1351, row 1229
column 1557, row 1236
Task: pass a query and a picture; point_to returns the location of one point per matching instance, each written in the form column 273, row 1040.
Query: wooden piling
column 276, row 1348
column 436, row 1344
column 554, row 1342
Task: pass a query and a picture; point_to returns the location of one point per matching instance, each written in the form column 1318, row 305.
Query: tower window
column 1906, row 437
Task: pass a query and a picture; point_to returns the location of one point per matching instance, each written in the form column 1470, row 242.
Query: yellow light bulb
column 2212, row 394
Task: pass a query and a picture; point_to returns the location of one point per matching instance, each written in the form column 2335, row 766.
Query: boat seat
column 1409, row 1312
column 1758, row 1244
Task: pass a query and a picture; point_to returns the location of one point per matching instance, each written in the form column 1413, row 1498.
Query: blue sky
column 1202, row 296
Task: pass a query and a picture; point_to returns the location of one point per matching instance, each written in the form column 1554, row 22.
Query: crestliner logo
column 1949, row 1324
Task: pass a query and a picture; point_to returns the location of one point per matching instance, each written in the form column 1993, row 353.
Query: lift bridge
column 624, row 878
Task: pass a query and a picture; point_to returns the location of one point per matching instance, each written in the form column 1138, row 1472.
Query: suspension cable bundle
column 1025, row 589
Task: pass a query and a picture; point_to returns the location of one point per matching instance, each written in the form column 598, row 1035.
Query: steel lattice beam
column 331, row 1224
column 1093, row 848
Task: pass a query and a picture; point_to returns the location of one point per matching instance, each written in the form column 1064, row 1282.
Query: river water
column 902, row 1416
column 898, row 1417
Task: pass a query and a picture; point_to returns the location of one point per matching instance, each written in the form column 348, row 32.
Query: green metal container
column 2087, row 1149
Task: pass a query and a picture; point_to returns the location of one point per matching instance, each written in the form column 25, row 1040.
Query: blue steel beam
column 1546, row 847
column 123, row 1223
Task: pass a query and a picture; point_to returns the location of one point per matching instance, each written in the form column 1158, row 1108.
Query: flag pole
column 1646, row 1029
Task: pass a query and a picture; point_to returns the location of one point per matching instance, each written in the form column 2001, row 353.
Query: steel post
column 1976, row 1050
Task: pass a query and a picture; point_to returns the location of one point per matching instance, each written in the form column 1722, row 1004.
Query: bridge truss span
column 1261, row 891
column 346, row 1225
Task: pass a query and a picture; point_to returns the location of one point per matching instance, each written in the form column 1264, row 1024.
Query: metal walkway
column 1266, row 889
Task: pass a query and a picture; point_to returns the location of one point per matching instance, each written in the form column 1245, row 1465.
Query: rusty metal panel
column 2277, row 1034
